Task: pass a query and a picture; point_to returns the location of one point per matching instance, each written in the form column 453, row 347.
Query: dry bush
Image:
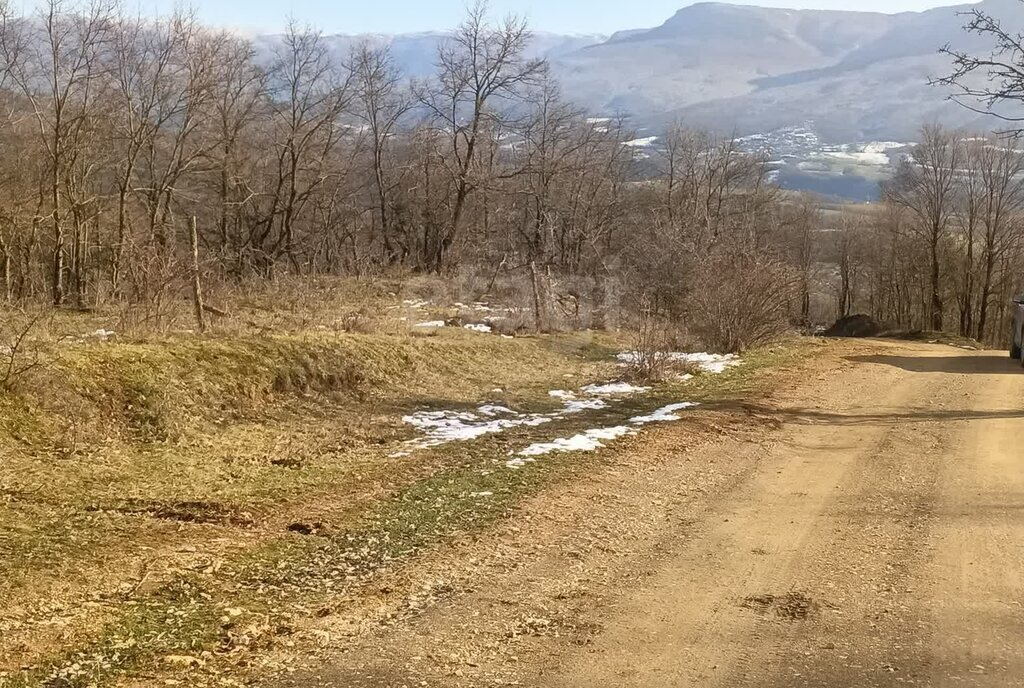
column 651, row 348
column 740, row 299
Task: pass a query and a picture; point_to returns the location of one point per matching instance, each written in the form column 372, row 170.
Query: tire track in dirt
column 808, row 543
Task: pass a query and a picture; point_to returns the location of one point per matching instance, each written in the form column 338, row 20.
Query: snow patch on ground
column 581, row 405
column 431, row 323
column 590, row 440
column 666, row 414
column 594, row 439
column 442, row 427
column 615, row 389
column 709, row 363
column 478, row 327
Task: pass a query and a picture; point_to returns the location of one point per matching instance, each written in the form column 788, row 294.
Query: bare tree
column 381, row 101
column 849, row 239
column 56, row 60
column 309, row 92
column 480, row 64
column 993, row 83
column 238, row 103
column 925, row 185
column 999, row 165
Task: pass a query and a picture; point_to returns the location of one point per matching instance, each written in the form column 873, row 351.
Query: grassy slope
column 195, row 456
column 119, row 458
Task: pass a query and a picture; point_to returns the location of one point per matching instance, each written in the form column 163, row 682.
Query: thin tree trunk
column 197, row 287
column 539, row 300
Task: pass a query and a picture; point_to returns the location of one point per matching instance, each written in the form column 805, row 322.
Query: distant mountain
column 859, row 76
column 416, row 53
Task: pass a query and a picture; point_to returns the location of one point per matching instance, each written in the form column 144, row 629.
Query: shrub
column 740, row 299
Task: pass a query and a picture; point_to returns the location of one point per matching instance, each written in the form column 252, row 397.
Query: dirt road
column 864, row 528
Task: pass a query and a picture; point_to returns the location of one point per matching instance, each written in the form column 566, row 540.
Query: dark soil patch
column 793, row 606
column 185, row 511
column 307, row 528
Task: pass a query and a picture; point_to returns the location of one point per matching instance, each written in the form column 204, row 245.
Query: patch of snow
column 562, row 394
column 615, row 389
column 590, row 440
column 102, row 334
column 594, row 439
column 665, row 414
column 481, row 494
column 415, row 304
column 478, row 327
column 581, row 405
column 709, row 363
column 431, row 323
column 442, row 427
column 493, row 410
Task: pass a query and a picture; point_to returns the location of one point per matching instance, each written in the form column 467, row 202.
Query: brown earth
column 862, row 527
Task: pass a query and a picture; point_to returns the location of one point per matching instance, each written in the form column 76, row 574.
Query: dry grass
column 146, row 485
column 126, row 462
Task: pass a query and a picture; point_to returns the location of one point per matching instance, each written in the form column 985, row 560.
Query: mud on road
column 862, row 527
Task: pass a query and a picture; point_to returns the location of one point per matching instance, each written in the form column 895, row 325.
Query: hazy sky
column 398, row 16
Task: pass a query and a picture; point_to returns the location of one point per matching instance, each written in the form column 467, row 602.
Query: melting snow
column 492, row 410
column 709, row 363
column 590, row 440
column 615, row 389
column 478, row 327
column 431, row 323
column 581, row 405
column 666, row 414
column 594, row 439
column 442, row 427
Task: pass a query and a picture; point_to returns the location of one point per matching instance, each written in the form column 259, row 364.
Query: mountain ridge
column 748, row 69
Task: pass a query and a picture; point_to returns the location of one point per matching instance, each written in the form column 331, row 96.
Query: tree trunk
column 936, row 288
column 540, row 305
column 197, row 287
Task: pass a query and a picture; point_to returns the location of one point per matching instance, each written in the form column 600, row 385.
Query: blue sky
column 397, row 16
